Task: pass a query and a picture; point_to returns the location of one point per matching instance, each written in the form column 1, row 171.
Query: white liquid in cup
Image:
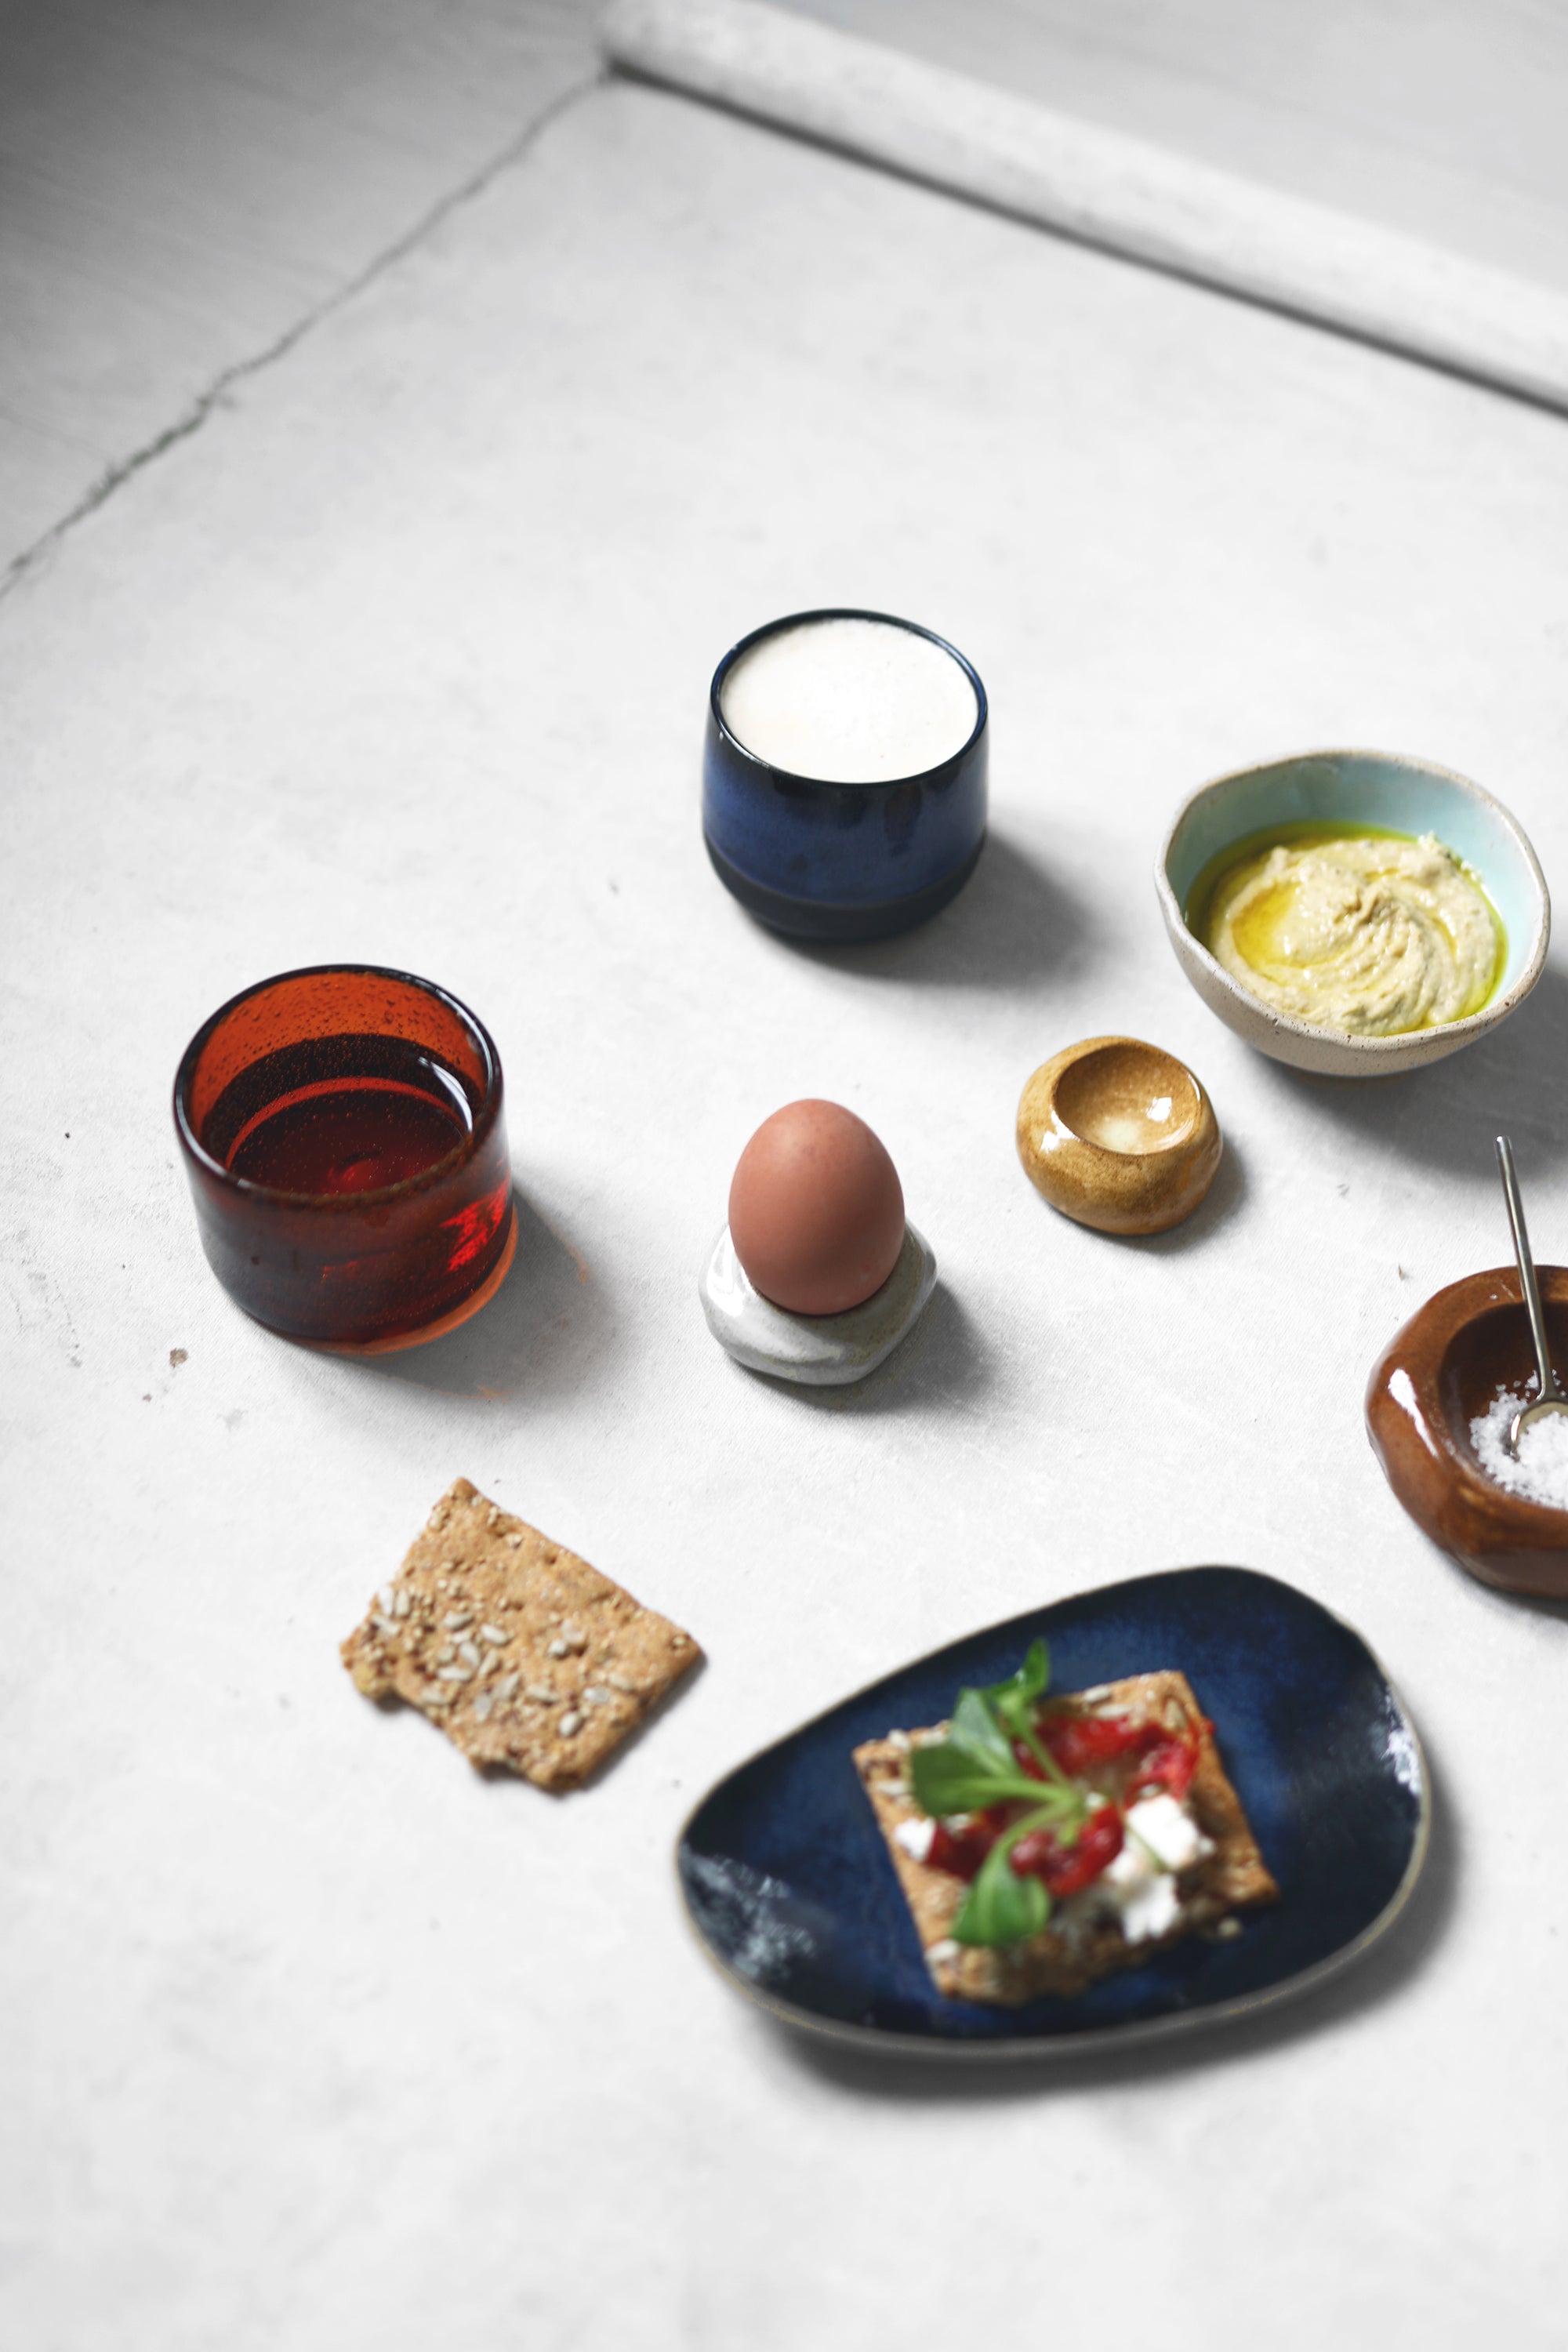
column 850, row 702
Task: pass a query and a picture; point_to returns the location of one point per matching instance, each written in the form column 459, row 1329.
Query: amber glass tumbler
column 342, row 1134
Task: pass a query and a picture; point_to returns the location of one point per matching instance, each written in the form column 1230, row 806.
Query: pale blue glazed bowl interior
column 1352, row 788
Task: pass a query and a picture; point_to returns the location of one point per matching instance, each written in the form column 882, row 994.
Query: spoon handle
column 1527, row 1281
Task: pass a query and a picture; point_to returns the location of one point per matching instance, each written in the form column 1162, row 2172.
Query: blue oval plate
column 791, row 1893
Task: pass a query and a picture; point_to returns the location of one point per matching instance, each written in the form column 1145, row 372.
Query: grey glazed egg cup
column 1350, row 788
column 818, row 1351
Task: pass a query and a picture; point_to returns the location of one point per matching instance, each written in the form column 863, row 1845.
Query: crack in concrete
column 239, row 370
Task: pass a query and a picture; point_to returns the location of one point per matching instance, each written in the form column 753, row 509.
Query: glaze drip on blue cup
column 859, row 854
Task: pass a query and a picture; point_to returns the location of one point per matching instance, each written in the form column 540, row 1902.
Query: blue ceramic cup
column 820, row 860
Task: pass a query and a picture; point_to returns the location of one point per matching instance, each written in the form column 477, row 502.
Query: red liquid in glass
column 351, row 1136
column 347, row 1153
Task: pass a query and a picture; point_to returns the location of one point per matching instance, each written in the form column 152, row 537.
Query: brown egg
column 816, row 1210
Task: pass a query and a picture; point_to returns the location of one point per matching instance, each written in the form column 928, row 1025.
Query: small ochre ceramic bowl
column 841, row 862
column 1351, row 788
column 1119, row 1135
column 1442, row 1370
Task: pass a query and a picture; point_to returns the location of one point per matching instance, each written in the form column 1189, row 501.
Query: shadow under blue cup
column 842, row 862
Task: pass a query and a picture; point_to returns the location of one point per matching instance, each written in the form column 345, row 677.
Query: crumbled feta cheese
column 1166, row 1827
column 1139, row 1889
column 915, row 1837
column 1154, row 1911
column 1126, row 1878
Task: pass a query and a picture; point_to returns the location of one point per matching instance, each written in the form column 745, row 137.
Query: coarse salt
column 1541, row 1473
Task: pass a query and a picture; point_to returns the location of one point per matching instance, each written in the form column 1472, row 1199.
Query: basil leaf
column 1016, row 1701
column 975, row 1765
column 1032, row 1679
column 949, row 1780
column 1000, row 1907
column 953, row 1779
column 976, row 1728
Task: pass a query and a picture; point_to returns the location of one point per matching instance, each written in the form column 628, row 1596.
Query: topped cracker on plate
column 1043, row 1843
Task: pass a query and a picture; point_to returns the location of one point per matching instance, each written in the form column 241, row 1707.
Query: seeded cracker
column 525, row 1655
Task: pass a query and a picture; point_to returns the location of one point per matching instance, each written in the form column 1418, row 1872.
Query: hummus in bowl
column 1353, row 913
column 1372, row 934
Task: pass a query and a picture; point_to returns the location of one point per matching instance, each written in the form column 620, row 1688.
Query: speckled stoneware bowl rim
column 1538, row 1523
column 1373, row 1049
column 1047, row 2047
column 831, row 783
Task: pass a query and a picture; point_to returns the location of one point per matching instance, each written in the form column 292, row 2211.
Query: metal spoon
column 1552, row 1399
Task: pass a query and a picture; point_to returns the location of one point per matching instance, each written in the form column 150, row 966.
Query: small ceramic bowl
column 841, row 862
column 818, row 1351
column 1350, row 788
column 1441, row 1372
column 1118, row 1136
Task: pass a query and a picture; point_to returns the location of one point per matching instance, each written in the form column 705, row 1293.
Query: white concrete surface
column 183, row 184
column 1441, row 117
column 1129, row 196
column 317, row 2041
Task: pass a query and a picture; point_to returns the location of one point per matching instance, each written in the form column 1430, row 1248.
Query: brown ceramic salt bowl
column 1443, row 1368
column 1119, row 1135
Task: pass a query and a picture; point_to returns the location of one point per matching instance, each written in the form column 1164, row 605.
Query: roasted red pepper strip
column 961, row 1852
column 1076, row 1743
column 1067, row 1869
column 1170, row 1766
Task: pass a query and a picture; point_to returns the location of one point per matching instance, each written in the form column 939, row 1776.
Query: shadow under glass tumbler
column 342, row 1134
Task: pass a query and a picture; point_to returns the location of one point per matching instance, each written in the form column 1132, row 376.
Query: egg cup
column 841, row 862
column 1119, row 1135
column 816, row 1350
